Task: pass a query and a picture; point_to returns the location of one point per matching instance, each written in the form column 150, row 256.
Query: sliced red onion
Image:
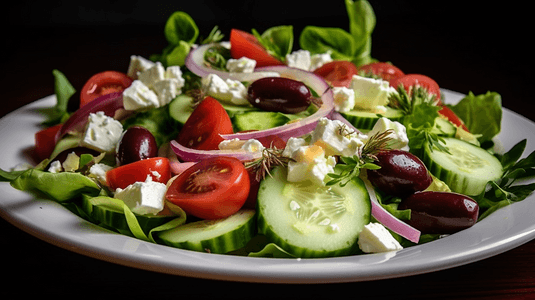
column 179, row 167
column 388, row 220
column 109, row 104
column 192, row 155
column 302, row 126
column 195, row 63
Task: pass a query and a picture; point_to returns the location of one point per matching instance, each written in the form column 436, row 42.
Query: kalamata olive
column 137, row 143
column 279, row 94
column 440, row 212
column 401, row 173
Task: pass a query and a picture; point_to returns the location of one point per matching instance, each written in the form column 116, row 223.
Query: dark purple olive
column 440, row 212
column 137, row 143
column 62, row 156
column 279, row 94
column 401, row 173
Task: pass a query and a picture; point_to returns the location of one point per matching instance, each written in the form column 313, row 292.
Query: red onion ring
column 305, row 125
column 192, row 155
column 109, row 104
column 195, row 63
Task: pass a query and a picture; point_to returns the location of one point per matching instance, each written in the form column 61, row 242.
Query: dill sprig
column 365, row 159
column 408, row 100
column 271, row 157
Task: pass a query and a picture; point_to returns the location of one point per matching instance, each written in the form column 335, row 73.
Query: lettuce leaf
column 482, row 114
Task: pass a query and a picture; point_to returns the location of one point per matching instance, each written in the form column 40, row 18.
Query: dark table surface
column 477, row 48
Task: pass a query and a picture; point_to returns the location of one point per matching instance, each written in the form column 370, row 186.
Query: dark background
column 476, row 47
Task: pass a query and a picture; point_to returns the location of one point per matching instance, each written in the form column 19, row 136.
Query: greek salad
column 246, row 146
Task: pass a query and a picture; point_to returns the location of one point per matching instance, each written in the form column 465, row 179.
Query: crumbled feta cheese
column 232, row 91
column 98, row 172
column 299, row 59
column 292, row 144
column 398, row 137
column 152, row 75
column 371, row 94
column 376, row 238
column 318, row 60
column 102, row 133
column 143, row 198
column 310, row 163
column 336, row 138
column 71, row 163
column 344, row 99
column 138, row 96
column 55, row 167
column 137, row 65
column 167, row 90
column 241, row 65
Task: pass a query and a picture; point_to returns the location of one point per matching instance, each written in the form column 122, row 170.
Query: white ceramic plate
column 47, row 220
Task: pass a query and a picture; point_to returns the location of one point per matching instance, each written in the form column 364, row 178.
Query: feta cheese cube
column 399, row 139
column 371, row 94
column 98, row 172
column 292, row 144
column 344, row 99
column 241, row 65
column 143, row 198
column 139, row 97
column 152, row 75
column 310, row 163
column 102, row 133
column 137, row 65
column 336, row 138
column 167, row 90
column 232, row 91
column 318, row 60
column 55, row 167
column 375, row 238
column 299, row 59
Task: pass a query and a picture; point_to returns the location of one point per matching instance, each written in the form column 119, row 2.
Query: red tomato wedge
column 211, row 189
column 411, row 80
column 243, row 44
column 452, row 117
column 45, row 141
column 386, row 71
column 103, row 83
column 157, row 168
column 205, row 124
column 338, row 73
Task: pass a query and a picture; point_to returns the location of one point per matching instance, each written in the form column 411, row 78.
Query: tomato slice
column 411, row 80
column 452, row 117
column 205, row 124
column 338, row 73
column 157, row 168
column 243, row 44
column 45, row 142
column 211, row 189
column 103, row 83
column 385, row 70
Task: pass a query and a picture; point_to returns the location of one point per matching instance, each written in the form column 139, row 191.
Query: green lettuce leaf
column 277, row 40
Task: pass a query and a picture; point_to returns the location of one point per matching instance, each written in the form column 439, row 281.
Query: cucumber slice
column 307, row 220
column 214, row 236
column 258, row 120
column 109, row 215
column 365, row 120
column 466, row 170
column 444, row 127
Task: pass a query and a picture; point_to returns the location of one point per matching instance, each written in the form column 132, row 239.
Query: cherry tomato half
column 157, row 167
column 103, row 83
column 243, row 44
column 385, row 70
column 411, row 80
column 211, row 189
column 205, row 124
column 45, row 142
column 338, row 73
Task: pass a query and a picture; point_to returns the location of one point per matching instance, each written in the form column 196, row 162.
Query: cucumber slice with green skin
column 466, row 170
column 258, row 120
column 444, row 127
column 307, row 220
column 213, row 236
column 96, row 208
column 365, row 120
